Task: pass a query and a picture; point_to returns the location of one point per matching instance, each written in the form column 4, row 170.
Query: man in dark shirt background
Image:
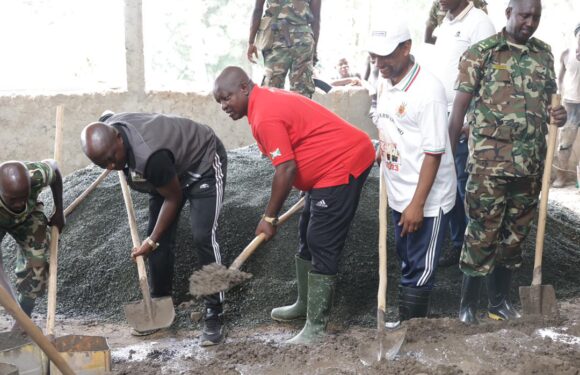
column 173, row 159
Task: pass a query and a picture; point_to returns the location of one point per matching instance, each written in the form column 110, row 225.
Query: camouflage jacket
column 295, row 15
column 436, row 15
column 511, row 88
column 41, row 175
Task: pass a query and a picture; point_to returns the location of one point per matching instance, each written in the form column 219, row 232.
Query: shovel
column 539, row 299
column 386, row 345
column 215, row 278
column 71, row 207
column 33, row 331
column 54, row 235
column 150, row 313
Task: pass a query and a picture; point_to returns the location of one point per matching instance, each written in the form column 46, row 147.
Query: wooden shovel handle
column 382, row 292
column 54, row 234
column 85, row 193
column 552, row 135
column 144, row 285
column 12, row 307
column 257, row 241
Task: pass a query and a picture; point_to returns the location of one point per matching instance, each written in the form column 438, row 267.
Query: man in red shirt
column 316, row 151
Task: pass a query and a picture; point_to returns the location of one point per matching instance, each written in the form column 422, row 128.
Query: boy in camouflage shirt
column 22, row 216
column 506, row 81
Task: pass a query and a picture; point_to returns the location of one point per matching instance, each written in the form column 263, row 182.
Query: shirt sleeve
column 470, row 71
column 160, row 168
column 41, row 174
column 274, row 142
column 551, row 86
column 432, row 20
column 432, row 123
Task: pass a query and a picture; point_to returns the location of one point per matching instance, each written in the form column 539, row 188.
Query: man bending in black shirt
column 173, row 159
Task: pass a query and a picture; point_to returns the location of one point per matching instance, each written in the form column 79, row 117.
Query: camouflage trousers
column 31, row 268
column 294, row 61
column 500, row 211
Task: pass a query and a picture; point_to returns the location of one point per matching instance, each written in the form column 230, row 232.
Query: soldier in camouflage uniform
column 296, row 28
column 436, row 16
column 508, row 79
column 22, row 216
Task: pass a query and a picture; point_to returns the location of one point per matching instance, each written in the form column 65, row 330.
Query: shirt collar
column 129, row 156
column 407, row 81
column 503, row 42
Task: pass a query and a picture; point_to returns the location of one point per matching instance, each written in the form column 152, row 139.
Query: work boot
column 320, row 294
column 451, row 257
column 298, row 309
column 470, row 289
column 413, row 302
column 213, row 329
column 498, row 287
column 560, row 180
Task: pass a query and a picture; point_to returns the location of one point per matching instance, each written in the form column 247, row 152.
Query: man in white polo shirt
column 463, row 26
column 416, row 158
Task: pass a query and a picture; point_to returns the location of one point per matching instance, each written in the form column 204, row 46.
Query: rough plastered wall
column 27, row 124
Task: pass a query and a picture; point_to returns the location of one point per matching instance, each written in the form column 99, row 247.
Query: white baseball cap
column 387, row 35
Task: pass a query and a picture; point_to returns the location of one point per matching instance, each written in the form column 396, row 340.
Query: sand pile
column 96, row 275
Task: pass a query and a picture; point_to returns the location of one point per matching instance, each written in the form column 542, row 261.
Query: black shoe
column 451, row 257
column 470, row 289
column 213, row 329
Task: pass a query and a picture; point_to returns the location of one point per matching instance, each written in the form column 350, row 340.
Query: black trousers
column 325, row 222
column 205, row 202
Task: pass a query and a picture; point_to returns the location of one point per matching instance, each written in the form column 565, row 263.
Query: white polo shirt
column 412, row 121
column 455, row 37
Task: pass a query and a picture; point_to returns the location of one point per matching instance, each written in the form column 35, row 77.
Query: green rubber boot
column 320, row 293
column 298, row 309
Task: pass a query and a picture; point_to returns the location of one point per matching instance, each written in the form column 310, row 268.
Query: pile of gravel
column 97, row 276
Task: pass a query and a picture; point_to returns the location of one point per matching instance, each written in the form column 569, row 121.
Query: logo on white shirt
column 390, row 156
column 321, row 204
column 402, row 110
column 274, row 154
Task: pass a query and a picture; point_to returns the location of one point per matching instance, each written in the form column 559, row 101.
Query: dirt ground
column 434, row 346
column 96, row 278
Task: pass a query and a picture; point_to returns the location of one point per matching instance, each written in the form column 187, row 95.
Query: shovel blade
column 386, row 346
column 162, row 314
column 539, row 300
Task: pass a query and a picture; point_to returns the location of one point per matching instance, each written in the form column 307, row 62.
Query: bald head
column 14, row 184
column 232, row 89
column 103, row 144
column 231, row 77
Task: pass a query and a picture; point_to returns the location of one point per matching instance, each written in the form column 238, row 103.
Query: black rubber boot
column 320, row 294
column 451, row 257
column 213, row 328
column 413, row 302
column 498, row 287
column 470, row 290
column 298, row 309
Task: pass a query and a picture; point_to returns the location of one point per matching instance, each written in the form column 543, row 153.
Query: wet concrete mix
column 97, row 277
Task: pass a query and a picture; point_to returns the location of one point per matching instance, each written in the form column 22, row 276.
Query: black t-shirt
column 160, row 168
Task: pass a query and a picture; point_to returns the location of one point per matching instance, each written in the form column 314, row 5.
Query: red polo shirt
column 326, row 149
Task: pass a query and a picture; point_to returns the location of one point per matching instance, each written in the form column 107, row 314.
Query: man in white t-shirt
column 463, row 26
column 569, row 84
column 416, row 158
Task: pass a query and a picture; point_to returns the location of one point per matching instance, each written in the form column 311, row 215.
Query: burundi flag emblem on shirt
column 274, row 154
column 402, row 110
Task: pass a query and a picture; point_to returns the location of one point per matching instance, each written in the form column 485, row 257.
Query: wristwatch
column 271, row 220
column 150, row 242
